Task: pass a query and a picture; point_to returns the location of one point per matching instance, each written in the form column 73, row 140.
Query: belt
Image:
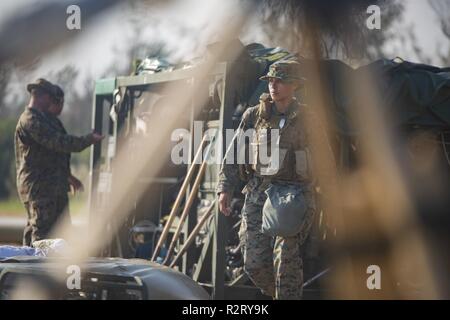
column 262, row 182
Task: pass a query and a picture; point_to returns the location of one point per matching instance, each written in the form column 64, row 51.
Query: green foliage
column 7, row 158
column 12, row 207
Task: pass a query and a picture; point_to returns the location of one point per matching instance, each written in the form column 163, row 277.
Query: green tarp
column 415, row 94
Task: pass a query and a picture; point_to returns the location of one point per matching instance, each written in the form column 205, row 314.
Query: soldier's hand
column 224, row 203
column 76, row 184
column 96, row 137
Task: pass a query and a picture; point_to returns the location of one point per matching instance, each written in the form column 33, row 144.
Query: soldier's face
column 45, row 101
column 281, row 90
column 41, row 101
column 56, row 107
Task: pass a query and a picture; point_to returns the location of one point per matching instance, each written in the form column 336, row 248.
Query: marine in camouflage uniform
column 275, row 264
column 43, row 148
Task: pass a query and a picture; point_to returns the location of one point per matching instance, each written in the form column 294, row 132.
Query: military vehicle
column 100, row 279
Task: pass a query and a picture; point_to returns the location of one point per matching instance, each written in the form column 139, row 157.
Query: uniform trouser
column 43, row 215
column 276, row 267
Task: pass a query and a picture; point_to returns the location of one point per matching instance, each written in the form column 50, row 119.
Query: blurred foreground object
column 101, row 279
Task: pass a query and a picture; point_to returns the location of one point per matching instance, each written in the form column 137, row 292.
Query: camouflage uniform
column 275, row 265
column 43, row 150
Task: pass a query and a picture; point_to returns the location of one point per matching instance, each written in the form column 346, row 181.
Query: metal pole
column 187, row 206
column 178, row 200
column 194, row 233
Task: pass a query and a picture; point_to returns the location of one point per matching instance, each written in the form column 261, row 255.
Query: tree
column 337, row 26
column 5, row 76
column 7, row 164
column 442, row 10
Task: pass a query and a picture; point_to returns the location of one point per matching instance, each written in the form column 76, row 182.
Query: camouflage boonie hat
column 58, row 93
column 42, row 84
column 285, row 70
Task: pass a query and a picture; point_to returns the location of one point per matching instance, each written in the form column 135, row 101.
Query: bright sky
column 107, row 38
column 421, row 19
